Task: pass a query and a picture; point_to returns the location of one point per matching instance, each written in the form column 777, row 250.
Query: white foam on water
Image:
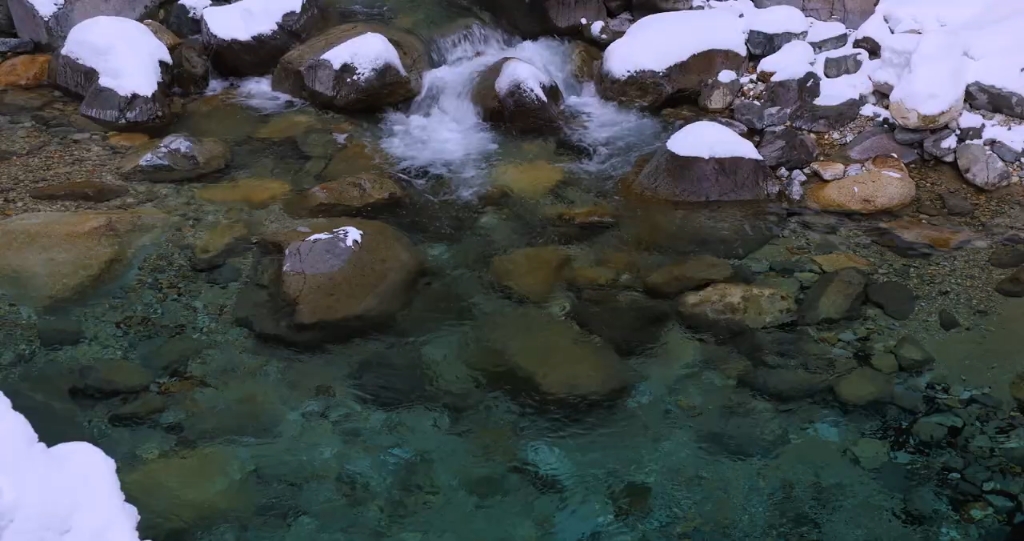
column 442, row 133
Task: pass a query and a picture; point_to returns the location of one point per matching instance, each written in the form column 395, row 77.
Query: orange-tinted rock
column 27, row 71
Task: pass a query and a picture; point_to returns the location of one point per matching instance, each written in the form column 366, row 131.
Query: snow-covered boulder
column 248, row 38
column 981, row 167
column 49, row 22
column 119, row 69
column 791, row 61
column 852, row 13
column 176, row 157
column 185, row 17
column 771, row 28
column 931, row 93
column 884, row 185
column 518, row 96
column 703, row 161
column 69, row 491
column 827, row 36
column 354, row 67
column 672, row 53
column 536, row 18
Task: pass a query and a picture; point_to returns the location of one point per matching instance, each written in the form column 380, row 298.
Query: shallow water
column 410, row 433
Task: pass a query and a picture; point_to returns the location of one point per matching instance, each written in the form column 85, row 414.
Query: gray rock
column 110, row 378
column 716, row 96
column 788, row 148
column 863, row 386
column 138, row 412
column 997, row 100
column 1012, row 285
column 871, row 454
column 183, row 21
column 536, row 18
column 50, row 32
column 948, row 320
column 912, row 355
column 733, row 125
column 59, row 331
column 981, row 167
column 670, row 177
column 897, row 300
column 650, row 90
column 617, row 7
column 1007, row 257
column 852, row 13
column 15, row 45
column 825, row 118
column 905, row 136
column 878, row 141
column 836, row 296
column 764, row 43
column 956, row 204
column 260, row 55
column 940, row 146
column 974, row 133
column 793, row 92
column 6, row 22
column 190, row 70
column 1005, row 152
column 908, row 399
column 935, row 428
column 848, row 64
column 1001, row 504
column 758, row 116
column 830, row 44
column 643, row 8
column 175, row 158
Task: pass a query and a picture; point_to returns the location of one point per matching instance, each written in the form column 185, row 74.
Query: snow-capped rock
column 49, row 22
column 518, row 96
column 248, row 38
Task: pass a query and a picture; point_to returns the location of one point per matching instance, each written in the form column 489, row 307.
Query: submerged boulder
column 328, row 279
column 50, row 23
column 515, row 94
column 248, row 38
column 704, row 161
column 174, row 158
column 354, row 67
column 119, row 69
column 688, row 56
column 536, row 18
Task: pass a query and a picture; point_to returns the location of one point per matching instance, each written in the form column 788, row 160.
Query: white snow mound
column 792, row 61
column 367, row 53
column 247, row 19
column 711, row 140
column 124, row 53
column 46, row 8
column 68, row 492
column 777, row 20
column 517, row 73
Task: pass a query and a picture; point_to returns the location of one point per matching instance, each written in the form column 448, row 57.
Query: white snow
column 596, row 28
column 777, row 20
column 822, row 30
column 872, row 110
column 348, row 235
column 517, row 73
column 195, row 7
column 247, row 19
column 68, row 492
column 894, row 61
column 792, row 61
column 124, row 53
column 970, row 119
column 367, row 53
column 46, row 8
column 657, row 42
column 706, row 139
column 1001, row 128
column 727, row 76
column 845, row 87
column 936, row 78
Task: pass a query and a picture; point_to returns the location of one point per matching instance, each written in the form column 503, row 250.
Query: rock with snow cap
column 354, row 67
column 120, row 71
column 518, row 96
column 673, row 53
column 249, row 37
column 716, row 95
column 772, row 27
column 49, row 22
column 981, row 167
column 827, row 36
column 941, row 145
column 852, row 13
column 185, row 17
column 998, row 100
column 790, row 93
column 174, row 158
column 930, row 91
column 703, row 161
column 825, row 118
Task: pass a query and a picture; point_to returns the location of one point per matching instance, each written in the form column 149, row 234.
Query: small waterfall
column 442, row 133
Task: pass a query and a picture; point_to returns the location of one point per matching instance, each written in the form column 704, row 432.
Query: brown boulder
column 303, row 72
column 234, row 54
column 514, row 94
column 651, row 89
column 737, row 305
column 93, row 191
column 670, row 177
column 885, row 185
column 254, row 193
column 532, row 273
column 349, row 196
column 27, row 71
column 694, row 272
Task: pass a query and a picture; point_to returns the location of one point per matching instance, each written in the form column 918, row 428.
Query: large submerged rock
column 689, row 56
column 518, row 96
column 535, row 18
column 249, row 37
column 49, row 257
column 120, row 71
column 49, row 23
column 354, row 67
column 328, row 279
column 704, row 161
column 174, row 158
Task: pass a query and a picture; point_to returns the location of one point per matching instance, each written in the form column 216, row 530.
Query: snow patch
column 68, row 492
column 872, row 110
column 46, row 8
column 657, row 42
column 821, row 31
column 596, row 28
column 936, row 78
column 367, row 53
column 247, row 19
column 1001, row 128
column 792, row 61
column 727, row 76
column 124, row 53
column 517, row 73
column 711, row 140
column 777, row 20
column 195, row 7
column 351, row 237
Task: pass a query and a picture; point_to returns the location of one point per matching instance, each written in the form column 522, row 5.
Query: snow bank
column 727, row 76
column 124, row 53
column 792, row 61
column 711, row 140
column 46, row 8
column 777, row 20
column 68, row 492
column 820, row 31
column 367, row 53
column 516, row 73
column 657, row 42
column 247, row 19
column 195, row 7
column 1000, row 128
column 937, row 76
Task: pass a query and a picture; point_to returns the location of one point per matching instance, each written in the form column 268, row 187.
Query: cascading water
column 442, row 133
